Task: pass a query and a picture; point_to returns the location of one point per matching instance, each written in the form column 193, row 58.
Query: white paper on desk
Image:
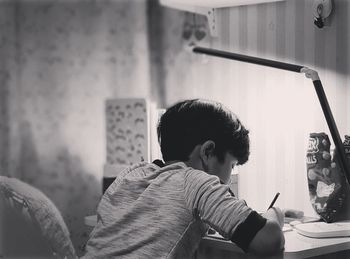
column 287, row 228
column 303, row 219
column 216, row 235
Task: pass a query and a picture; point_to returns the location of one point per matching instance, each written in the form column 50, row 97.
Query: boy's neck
column 189, row 163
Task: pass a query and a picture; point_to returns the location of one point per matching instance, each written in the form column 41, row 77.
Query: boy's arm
column 231, row 217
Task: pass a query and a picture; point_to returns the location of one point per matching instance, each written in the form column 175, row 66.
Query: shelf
column 214, row 4
column 209, row 8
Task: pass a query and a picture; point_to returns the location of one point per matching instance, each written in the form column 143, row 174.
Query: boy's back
column 153, row 212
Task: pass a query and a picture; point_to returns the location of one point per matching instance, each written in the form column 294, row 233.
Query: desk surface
column 296, row 246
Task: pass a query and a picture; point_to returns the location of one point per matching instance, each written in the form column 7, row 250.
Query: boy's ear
column 206, row 151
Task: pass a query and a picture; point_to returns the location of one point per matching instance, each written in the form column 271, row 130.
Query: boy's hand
column 270, row 239
column 275, row 214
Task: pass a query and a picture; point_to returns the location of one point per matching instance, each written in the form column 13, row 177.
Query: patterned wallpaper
column 127, row 123
column 60, row 61
column 280, row 108
column 7, row 75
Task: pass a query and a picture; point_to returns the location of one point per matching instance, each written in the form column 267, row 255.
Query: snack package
column 327, row 183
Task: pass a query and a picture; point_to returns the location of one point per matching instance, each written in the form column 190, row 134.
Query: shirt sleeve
column 207, row 198
column 246, row 231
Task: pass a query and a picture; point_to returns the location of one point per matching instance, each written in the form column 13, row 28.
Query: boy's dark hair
column 192, row 122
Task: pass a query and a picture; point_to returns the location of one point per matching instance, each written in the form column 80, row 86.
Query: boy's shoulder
column 185, row 172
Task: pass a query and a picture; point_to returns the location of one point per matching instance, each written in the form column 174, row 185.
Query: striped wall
column 280, row 108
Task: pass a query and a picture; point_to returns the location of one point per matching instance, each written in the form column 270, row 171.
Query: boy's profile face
column 222, row 169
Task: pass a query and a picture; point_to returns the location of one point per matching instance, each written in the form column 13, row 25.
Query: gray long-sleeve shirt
column 153, row 212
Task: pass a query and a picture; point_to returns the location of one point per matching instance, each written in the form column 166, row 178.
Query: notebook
column 323, row 229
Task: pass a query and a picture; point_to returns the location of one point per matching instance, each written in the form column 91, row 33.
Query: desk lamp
column 309, row 73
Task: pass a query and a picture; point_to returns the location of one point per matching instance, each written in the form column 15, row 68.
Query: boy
column 155, row 210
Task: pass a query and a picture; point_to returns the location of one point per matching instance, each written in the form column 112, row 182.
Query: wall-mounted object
column 322, row 9
column 209, row 8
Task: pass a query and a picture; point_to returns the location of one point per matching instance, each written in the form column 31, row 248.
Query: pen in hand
column 273, row 201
